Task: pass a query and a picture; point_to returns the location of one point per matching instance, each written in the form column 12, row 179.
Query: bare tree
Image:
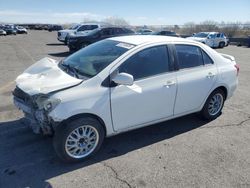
column 114, row 20
column 208, row 26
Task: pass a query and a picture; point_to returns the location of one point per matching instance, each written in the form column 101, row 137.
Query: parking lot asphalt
column 184, row 152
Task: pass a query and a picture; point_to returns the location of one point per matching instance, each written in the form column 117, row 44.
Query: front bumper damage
column 38, row 119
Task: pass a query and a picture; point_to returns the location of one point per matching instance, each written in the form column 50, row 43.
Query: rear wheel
column 79, row 139
column 214, row 104
column 221, row 44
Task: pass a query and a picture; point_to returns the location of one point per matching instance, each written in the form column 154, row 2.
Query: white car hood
column 196, row 39
column 44, row 77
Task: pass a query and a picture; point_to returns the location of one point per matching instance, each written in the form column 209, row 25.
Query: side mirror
column 123, row 79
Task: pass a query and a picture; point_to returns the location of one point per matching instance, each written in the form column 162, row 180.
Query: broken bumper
column 38, row 120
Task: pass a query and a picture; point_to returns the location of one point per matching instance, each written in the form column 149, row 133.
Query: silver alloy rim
column 215, row 104
column 82, row 141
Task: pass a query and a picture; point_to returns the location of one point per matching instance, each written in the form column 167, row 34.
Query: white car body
column 2, row 32
column 76, row 30
column 213, row 39
column 122, row 108
column 21, row 29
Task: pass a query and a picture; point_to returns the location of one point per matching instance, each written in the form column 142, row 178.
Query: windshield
column 92, row 59
column 74, row 27
column 201, row 35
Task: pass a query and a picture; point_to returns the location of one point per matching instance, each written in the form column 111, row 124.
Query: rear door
column 196, row 76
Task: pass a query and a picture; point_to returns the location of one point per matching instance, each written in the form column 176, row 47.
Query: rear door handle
column 169, row 83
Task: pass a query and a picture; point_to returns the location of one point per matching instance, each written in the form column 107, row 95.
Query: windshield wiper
column 71, row 69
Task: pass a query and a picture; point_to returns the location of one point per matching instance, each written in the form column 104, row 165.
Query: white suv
column 212, row 39
column 120, row 84
column 79, row 29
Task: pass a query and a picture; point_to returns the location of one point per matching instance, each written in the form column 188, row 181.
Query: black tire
column 65, row 130
column 205, row 110
column 72, row 50
column 83, row 45
column 66, row 40
column 221, row 44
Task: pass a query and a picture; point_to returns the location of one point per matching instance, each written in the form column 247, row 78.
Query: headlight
column 44, row 102
column 50, row 104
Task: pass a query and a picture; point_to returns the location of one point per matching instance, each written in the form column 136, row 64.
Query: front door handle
column 169, row 83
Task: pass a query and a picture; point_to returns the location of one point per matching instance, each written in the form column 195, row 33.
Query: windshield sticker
column 125, row 45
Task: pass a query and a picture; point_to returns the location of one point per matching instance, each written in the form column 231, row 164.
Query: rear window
column 188, row 56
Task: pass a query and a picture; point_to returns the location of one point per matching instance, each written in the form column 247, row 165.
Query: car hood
column 44, row 77
column 196, row 39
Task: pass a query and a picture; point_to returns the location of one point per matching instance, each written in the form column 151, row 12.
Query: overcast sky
column 136, row 12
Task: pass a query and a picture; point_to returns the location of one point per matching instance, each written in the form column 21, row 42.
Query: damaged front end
column 36, row 109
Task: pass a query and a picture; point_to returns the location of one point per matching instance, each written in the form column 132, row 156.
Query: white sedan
column 120, row 84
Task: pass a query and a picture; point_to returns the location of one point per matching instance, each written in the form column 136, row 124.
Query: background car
column 166, row 33
column 76, row 42
column 2, row 32
column 10, row 30
column 21, row 30
column 79, row 29
column 212, row 39
column 55, row 28
column 144, row 32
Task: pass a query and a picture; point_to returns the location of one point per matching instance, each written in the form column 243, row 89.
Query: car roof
column 142, row 39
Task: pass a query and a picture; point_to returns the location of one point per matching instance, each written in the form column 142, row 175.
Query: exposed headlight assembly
column 45, row 102
column 50, row 104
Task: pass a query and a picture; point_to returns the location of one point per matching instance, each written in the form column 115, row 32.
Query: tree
column 116, row 21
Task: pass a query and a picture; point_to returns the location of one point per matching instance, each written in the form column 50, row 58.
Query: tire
column 68, row 145
column 207, row 112
column 66, row 40
column 72, row 50
column 221, row 44
column 83, row 45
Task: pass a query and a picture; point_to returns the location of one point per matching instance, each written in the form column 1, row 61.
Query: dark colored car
column 76, row 42
column 21, row 30
column 55, row 28
column 144, row 32
column 10, row 30
column 167, row 33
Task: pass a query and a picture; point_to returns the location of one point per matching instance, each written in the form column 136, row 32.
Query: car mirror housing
column 123, row 79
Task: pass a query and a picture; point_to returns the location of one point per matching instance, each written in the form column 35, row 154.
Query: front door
column 152, row 95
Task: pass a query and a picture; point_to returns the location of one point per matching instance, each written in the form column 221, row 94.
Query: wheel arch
column 222, row 87
column 82, row 115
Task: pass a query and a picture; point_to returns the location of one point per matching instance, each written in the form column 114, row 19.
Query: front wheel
column 214, row 104
column 79, row 139
column 83, row 45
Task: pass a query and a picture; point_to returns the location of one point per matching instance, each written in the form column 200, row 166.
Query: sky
column 135, row 12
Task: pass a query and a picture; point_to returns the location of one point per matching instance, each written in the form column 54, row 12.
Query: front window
column 92, row 59
column 87, row 27
column 74, row 27
column 147, row 63
column 201, row 35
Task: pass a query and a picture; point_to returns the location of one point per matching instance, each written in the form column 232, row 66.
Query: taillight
column 237, row 68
